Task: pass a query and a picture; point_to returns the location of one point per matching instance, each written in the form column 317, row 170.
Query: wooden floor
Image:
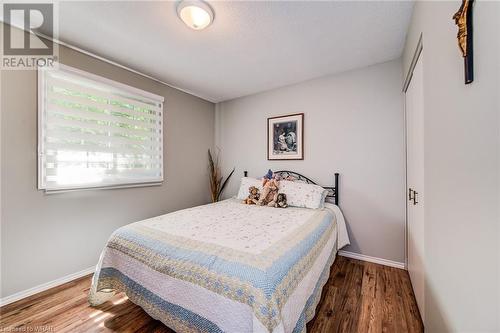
column 359, row 297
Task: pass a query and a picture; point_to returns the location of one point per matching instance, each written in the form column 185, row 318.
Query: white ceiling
column 251, row 46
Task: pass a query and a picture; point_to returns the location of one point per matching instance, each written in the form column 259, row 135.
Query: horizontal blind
column 95, row 132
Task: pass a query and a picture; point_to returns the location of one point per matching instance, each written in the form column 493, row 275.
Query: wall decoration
column 216, row 180
column 463, row 19
column 285, row 137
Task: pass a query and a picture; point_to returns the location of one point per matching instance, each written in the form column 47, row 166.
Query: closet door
column 414, row 106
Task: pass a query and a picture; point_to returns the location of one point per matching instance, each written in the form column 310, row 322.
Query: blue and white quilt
column 224, row 267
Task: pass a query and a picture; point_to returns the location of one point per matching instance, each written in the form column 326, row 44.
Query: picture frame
column 285, row 137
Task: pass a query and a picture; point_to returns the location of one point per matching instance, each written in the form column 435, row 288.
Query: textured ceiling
column 250, row 47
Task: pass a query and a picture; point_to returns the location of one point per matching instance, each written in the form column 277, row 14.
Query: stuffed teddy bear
column 253, row 196
column 269, row 193
column 281, row 201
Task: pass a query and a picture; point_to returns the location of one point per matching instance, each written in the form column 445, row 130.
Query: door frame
column 416, row 55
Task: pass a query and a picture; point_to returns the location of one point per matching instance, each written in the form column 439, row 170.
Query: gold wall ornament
column 463, row 19
column 460, row 18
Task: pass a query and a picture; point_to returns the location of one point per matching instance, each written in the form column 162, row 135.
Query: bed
column 225, row 267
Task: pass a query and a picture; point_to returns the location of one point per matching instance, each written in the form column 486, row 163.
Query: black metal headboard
column 333, row 191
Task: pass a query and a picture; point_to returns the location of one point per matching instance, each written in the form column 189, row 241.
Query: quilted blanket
column 224, row 267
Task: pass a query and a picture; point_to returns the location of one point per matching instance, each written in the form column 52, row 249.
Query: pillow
column 303, row 195
column 246, row 182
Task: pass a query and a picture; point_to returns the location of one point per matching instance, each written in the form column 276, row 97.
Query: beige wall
column 354, row 125
column 45, row 237
column 462, row 152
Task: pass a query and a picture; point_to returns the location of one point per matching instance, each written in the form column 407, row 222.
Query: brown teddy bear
column 281, row 201
column 253, row 196
column 269, row 193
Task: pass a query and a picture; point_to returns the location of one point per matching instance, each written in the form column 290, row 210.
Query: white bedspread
column 224, row 267
column 343, row 236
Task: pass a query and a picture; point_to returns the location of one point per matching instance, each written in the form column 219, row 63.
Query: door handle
column 410, row 196
column 415, row 193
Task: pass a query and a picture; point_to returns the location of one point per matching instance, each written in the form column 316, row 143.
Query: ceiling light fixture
column 196, row 14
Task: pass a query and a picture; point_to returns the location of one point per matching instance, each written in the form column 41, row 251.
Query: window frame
column 115, row 87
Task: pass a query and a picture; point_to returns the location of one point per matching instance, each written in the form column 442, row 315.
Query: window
column 94, row 132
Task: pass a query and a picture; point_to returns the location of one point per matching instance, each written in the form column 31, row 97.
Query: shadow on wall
column 351, row 202
column 436, row 317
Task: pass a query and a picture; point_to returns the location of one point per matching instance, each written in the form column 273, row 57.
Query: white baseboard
column 35, row 290
column 372, row 259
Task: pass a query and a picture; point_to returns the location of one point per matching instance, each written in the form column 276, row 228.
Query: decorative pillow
column 303, row 195
column 246, row 183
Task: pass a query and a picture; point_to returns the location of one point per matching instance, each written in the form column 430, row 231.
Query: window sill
column 111, row 187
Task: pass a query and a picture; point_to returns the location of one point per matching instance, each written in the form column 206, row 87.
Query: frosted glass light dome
column 196, row 14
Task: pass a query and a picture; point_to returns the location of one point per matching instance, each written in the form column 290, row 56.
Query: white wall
column 462, row 152
column 354, row 125
column 45, row 237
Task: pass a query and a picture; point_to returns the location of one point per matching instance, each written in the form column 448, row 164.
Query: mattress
column 224, row 267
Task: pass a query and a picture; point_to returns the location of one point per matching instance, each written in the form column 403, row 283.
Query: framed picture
column 285, row 137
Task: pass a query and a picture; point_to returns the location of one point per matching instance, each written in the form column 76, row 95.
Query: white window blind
column 94, row 132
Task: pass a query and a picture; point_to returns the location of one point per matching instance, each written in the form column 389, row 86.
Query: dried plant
column 217, row 184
